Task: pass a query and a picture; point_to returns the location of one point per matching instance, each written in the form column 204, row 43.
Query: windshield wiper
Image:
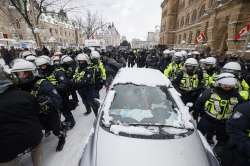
column 157, row 125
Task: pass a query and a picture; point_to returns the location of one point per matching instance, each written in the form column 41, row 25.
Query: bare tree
column 91, row 24
column 31, row 11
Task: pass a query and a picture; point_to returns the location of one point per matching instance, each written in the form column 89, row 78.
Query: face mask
column 83, row 65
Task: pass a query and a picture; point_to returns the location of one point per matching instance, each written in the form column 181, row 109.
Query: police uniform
column 189, row 85
column 215, row 107
column 244, row 89
column 238, row 129
column 172, row 69
column 84, row 81
column 209, row 79
column 62, row 84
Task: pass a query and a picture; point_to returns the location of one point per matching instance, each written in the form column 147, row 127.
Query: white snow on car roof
column 141, row 76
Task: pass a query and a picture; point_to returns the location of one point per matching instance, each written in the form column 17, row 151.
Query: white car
column 143, row 122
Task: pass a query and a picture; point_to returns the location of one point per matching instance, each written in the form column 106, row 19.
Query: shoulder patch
column 237, row 115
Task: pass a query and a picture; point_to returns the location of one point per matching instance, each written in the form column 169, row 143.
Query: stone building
column 109, row 34
column 54, row 29
column 220, row 20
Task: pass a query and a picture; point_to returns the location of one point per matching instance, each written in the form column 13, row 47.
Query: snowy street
column 75, row 142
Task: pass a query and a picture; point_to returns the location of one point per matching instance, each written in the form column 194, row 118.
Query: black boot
column 61, row 143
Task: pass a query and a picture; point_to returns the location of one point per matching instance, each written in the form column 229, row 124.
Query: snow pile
column 136, row 114
column 141, row 76
column 116, row 129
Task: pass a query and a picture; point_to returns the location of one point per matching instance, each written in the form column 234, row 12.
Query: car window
column 143, row 104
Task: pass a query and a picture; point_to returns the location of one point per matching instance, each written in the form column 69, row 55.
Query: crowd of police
column 38, row 89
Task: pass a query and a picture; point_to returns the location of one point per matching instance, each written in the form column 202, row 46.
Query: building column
column 211, row 32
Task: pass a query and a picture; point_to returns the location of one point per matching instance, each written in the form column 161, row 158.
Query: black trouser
column 51, row 121
column 90, row 102
column 66, row 110
column 210, row 127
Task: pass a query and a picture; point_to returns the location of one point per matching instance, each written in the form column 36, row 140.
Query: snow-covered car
column 143, row 122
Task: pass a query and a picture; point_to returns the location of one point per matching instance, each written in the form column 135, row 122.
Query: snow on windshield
column 141, row 76
column 143, row 104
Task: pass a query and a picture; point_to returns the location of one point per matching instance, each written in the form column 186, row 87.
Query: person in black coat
column 238, row 129
column 19, row 123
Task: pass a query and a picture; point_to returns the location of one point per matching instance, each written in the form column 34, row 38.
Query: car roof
column 141, row 76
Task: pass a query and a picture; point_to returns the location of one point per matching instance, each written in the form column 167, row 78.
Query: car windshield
column 135, row 104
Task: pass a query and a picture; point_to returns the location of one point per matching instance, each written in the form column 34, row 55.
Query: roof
column 141, row 76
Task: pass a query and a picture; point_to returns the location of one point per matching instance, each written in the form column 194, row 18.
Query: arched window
column 187, row 20
column 177, row 24
column 18, row 24
column 184, row 37
column 182, row 22
column 179, row 42
column 194, row 16
column 202, row 11
column 190, row 36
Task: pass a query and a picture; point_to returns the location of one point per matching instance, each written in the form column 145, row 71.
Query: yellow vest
column 220, row 109
column 188, row 82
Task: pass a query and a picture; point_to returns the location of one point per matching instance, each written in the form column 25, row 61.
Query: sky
column 132, row 18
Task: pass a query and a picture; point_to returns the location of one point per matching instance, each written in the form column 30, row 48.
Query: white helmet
column 191, row 62
column 26, row 53
column 227, row 79
column 232, row 66
column 210, row 61
column 31, row 58
column 23, row 66
column 184, row 53
column 41, row 60
column 66, row 59
column 165, row 52
column 202, row 61
column 95, row 55
column 82, row 57
column 195, row 53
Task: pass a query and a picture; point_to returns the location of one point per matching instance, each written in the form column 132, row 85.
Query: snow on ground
column 75, row 142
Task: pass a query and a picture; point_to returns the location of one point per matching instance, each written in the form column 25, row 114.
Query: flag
column 201, row 37
column 242, row 32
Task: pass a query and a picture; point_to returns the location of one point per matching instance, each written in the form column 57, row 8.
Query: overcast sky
column 133, row 18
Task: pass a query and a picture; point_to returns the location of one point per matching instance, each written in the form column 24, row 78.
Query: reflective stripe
column 172, row 70
column 248, row 131
column 36, row 88
column 208, row 80
column 220, row 109
column 78, row 75
column 189, row 83
column 103, row 70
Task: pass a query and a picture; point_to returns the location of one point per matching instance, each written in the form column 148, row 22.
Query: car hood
column 115, row 150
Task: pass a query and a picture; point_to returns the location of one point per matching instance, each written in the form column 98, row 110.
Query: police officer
column 47, row 97
column 188, row 81
column 209, row 72
column 238, row 129
column 215, row 107
column 99, row 71
column 69, row 66
column 19, row 123
column 165, row 59
column 235, row 68
column 57, row 77
column 84, row 83
column 175, row 66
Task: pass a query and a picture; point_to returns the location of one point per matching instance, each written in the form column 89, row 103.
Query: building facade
column 109, row 34
column 53, row 29
column 183, row 21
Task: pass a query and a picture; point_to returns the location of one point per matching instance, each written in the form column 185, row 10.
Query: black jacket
column 237, row 128
column 20, row 128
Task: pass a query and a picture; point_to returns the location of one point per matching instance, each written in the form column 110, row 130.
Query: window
column 182, row 22
column 194, row 16
column 143, row 104
column 184, row 37
column 190, row 36
column 179, row 42
column 187, row 20
column 18, row 24
column 202, row 11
